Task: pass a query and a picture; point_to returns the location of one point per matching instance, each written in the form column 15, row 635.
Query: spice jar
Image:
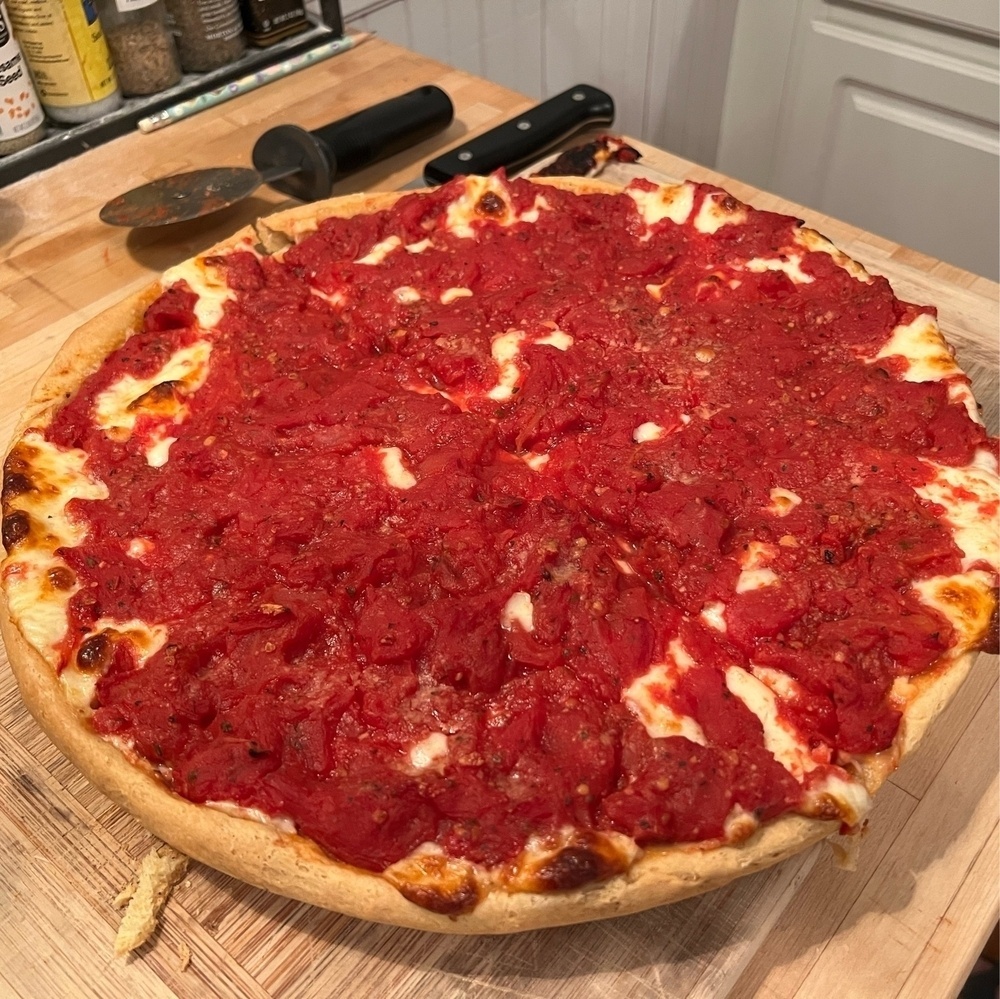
column 63, row 43
column 21, row 120
column 142, row 45
column 268, row 21
column 209, row 33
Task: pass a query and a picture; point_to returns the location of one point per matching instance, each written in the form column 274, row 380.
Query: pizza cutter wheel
column 298, row 163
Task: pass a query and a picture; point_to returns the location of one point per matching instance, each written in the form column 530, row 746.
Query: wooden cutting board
column 907, row 922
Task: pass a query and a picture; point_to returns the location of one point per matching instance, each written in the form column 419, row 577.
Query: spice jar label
column 124, row 6
column 65, row 46
column 20, row 112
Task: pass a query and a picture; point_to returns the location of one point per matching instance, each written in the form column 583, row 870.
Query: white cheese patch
column 208, row 283
column 280, row 823
column 504, row 348
column 780, row 738
column 816, row 243
column 406, row 295
column 755, row 579
column 712, row 216
column 714, row 615
column 740, row 825
column 783, row 502
column 851, row 798
column 336, row 298
column 462, row 211
column 671, row 201
column 396, row 473
column 557, row 339
column 518, row 611
column 647, row 698
column 961, row 392
column 962, row 601
column 139, row 548
column 790, row 264
column 79, row 684
column 623, row 567
column 418, row 247
column 646, row 432
column 450, row 295
column 928, row 356
column 781, row 684
column 377, row 254
column 35, row 604
column 429, row 751
column 536, row 462
column 158, row 452
column 117, row 408
column 971, row 500
column 755, row 574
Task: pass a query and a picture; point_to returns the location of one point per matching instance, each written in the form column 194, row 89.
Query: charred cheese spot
column 570, row 859
column 161, row 400
column 491, row 205
column 94, row 652
column 61, row 577
column 15, row 484
column 968, row 603
column 436, row 882
column 16, row 528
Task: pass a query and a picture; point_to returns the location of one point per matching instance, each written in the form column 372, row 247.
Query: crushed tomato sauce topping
column 432, row 513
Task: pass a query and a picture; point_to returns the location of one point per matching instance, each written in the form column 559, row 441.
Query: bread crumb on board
column 145, row 897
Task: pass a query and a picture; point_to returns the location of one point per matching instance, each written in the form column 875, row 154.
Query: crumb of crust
column 160, row 870
column 183, row 957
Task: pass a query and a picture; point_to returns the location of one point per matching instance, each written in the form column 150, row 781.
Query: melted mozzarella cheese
column 466, row 208
column 648, row 698
column 816, row 243
column 714, row 615
column 505, row 349
column 450, row 295
column 377, row 254
column 396, row 473
column 755, row 574
column 557, row 338
column 714, row 214
column 39, row 584
column 971, row 500
column 646, row 432
column 208, row 283
column 518, row 611
column 281, row 823
column 928, row 357
column 783, row 502
column 790, row 264
column 964, row 601
column 671, row 201
column 780, row 738
column 418, row 247
column 851, row 798
column 119, row 406
column 536, row 462
column 406, row 295
column 429, row 752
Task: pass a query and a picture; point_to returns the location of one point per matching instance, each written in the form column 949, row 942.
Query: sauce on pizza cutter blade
column 298, row 163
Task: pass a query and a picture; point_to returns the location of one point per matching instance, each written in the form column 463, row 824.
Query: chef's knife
column 524, row 138
column 296, row 162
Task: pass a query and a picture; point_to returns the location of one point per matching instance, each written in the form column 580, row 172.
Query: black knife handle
column 386, row 128
column 527, row 136
column 304, row 164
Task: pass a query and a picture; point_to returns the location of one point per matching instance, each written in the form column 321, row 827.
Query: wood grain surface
column 908, row 922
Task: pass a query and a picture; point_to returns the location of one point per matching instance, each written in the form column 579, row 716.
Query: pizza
column 505, row 555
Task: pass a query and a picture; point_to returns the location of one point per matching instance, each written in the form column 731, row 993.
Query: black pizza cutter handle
column 305, row 164
column 526, row 137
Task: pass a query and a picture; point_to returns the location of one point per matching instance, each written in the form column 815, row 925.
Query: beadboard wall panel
column 664, row 61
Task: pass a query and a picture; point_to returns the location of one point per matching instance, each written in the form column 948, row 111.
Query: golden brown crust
column 291, row 865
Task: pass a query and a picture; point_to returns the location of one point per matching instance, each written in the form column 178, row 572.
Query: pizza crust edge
column 291, row 865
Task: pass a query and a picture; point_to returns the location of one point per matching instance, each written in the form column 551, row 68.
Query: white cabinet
column 884, row 113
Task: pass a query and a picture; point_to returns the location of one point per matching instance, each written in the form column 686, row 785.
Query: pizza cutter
column 298, row 163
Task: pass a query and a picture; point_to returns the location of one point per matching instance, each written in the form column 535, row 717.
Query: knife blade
column 523, row 138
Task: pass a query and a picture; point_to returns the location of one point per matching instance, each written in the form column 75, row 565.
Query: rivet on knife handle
column 527, row 136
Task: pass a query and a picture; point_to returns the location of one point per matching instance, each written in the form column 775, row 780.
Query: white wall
column 664, row 61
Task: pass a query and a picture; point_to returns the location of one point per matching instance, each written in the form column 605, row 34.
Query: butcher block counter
column 909, row 921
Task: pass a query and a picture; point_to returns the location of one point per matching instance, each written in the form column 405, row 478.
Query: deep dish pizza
column 500, row 556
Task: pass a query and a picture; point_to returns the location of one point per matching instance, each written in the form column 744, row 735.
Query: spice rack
column 63, row 143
